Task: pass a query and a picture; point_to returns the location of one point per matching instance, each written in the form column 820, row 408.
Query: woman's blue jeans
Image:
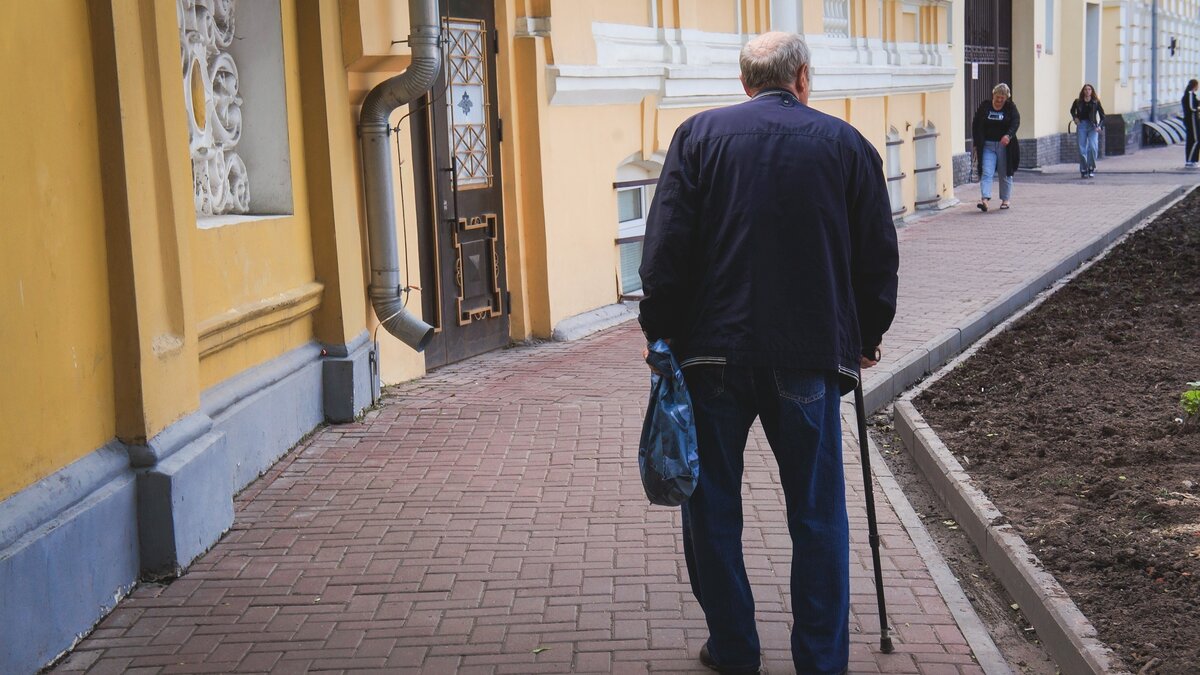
column 799, row 413
column 994, row 160
column 1089, row 146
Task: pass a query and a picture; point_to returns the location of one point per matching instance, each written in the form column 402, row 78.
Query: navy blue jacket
column 770, row 241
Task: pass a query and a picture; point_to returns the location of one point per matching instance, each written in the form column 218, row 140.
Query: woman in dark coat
column 1191, row 122
column 994, row 131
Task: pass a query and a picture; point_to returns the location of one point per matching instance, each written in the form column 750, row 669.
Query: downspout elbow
column 385, row 289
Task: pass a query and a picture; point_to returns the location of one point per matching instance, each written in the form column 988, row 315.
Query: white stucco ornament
column 221, row 184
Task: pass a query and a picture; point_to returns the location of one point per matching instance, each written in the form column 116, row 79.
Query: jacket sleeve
column 1016, row 119
column 1099, row 112
column 672, row 230
column 977, row 127
column 874, row 254
column 1075, row 109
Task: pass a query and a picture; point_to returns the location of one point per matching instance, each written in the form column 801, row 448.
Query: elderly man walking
column 770, row 265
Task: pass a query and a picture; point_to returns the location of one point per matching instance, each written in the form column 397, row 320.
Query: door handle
column 454, row 183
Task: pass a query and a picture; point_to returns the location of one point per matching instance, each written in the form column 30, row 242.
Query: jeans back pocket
column 801, row 386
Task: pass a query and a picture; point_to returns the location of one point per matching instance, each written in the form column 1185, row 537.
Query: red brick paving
column 489, row 517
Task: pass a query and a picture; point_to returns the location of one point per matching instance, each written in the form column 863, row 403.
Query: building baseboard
column 350, row 385
column 68, row 554
column 264, row 411
column 74, row 543
column 582, row 325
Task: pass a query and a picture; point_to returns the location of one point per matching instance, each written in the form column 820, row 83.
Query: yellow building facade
column 221, row 210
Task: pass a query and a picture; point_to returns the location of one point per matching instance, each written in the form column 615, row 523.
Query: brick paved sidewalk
column 1160, row 159
column 489, row 517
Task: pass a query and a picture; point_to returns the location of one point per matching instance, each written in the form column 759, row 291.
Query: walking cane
column 885, row 639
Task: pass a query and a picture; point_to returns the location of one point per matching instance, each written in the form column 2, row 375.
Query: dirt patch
column 1069, row 421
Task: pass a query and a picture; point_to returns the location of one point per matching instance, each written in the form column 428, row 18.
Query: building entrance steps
column 489, row 518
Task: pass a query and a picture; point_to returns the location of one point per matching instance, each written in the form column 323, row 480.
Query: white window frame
column 894, row 143
column 635, row 227
column 1049, row 39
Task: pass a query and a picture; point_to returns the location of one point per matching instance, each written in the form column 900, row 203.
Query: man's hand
column 864, row 362
column 646, row 355
column 1004, row 140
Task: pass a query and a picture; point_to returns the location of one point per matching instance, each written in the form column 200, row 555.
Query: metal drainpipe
column 1153, row 60
column 373, row 130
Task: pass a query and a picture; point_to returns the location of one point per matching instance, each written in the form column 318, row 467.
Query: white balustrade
column 837, row 18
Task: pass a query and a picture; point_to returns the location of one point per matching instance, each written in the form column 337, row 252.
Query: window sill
column 213, row 222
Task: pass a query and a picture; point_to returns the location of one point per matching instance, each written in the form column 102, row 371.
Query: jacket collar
column 773, row 91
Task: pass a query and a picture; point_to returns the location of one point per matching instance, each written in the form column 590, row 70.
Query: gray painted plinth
column 60, row 577
column 75, row 542
column 265, row 411
column 349, row 384
column 185, row 504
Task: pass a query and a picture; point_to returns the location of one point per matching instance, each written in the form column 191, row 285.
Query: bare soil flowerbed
column 1068, row 422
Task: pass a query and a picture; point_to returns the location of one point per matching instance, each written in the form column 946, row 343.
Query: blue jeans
column 994, row 160
column 1089, row 145
column 799, row 413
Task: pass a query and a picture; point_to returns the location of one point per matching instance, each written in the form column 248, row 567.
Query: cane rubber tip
column 885, row 645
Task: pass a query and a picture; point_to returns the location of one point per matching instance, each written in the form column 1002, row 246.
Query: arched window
column 925, row 145
column 634, row 190
column 895, row 177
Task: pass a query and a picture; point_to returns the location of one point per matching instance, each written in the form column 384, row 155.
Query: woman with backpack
column 1089, row 117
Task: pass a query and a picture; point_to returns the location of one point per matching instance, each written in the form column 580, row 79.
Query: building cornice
column 689, row 68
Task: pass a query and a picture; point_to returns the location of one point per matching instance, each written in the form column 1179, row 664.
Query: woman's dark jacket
column 770, row 241
column 979, row 130
column 1088, row 111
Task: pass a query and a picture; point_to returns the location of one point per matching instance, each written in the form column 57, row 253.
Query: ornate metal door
column 462, row 242
column 987, row 52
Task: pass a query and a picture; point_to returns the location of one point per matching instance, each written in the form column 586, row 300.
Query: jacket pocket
column 704, row 381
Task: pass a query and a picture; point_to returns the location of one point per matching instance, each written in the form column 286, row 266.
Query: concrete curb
column 986, row 653
column 1067, row 634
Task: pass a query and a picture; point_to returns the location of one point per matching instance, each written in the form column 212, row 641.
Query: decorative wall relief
column 220, row 181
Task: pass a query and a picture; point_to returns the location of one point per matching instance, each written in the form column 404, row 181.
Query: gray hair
column 773, row 59
column 1003, row 90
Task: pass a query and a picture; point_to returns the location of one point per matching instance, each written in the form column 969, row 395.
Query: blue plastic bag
column 667, row 456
